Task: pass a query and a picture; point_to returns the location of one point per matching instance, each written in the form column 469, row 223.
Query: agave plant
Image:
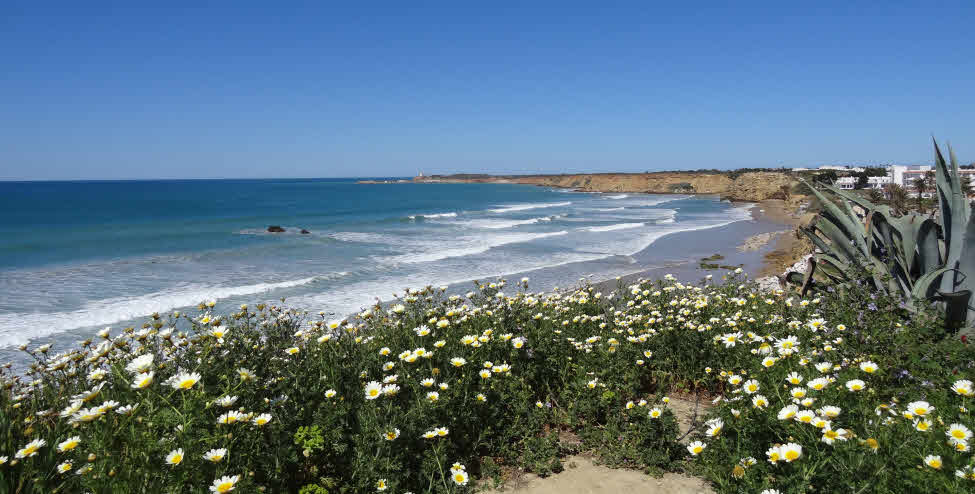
column 920, row 257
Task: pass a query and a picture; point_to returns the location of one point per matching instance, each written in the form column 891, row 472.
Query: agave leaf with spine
column 906, row 251
column 955, row 212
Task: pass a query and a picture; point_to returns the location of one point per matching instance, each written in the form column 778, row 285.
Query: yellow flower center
column 791, row 455
column 225, row 486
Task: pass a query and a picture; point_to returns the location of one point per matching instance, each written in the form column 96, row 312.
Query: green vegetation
column 844, row 392
column 911, row 256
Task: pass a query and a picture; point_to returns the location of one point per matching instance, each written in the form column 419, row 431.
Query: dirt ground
column 583, row 476
column 688, row 410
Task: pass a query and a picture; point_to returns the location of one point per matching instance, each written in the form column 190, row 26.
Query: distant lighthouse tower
column 419, row 173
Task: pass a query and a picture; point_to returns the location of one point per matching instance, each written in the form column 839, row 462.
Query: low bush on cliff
column 434, row 391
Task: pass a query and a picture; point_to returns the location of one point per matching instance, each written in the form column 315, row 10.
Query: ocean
column 79, row 256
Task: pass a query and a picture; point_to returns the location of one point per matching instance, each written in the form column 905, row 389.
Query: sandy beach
column 767, row 236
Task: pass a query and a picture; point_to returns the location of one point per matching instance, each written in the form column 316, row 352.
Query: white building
column 847, row 183
column 855, row 169
column 903, row 175
column 878, row 182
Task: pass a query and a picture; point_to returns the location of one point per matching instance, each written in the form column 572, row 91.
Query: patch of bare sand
column 582, row 476
column 689, row 412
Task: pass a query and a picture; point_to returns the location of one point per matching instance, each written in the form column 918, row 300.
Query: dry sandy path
column 582, row 476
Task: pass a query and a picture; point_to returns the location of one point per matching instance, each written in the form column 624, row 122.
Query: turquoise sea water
column 79, row 256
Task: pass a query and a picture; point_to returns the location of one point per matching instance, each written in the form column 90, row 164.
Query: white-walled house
column 905, row 175
column 846, row 183
column 878, row 182
column 855, row 169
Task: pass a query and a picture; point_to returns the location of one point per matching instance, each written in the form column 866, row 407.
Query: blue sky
column 319, row 89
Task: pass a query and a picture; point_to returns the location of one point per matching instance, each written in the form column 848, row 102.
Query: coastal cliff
column 748, row 186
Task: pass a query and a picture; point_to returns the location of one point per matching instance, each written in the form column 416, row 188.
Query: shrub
column 433, row 390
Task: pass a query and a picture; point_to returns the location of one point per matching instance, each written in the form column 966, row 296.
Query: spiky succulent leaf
column 955, row 211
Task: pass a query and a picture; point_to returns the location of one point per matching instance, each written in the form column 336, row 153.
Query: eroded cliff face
column 643, row 182
column 752, row 186
column 759, row 186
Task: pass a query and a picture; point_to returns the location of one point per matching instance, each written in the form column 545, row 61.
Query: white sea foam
column 522, row 207
column 618, row 226
column 620, row 196
column 17, row 328
column 20, row 327
column 469, row 246
column 365, row 237
column 350, row 298
column 736, row 215
column 493, row 224
column 610, row 209
column 644, row 214
column 359, row 295
column 431, row 216
column 655, row 201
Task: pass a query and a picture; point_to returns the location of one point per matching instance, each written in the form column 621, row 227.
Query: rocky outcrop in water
column 275, row 229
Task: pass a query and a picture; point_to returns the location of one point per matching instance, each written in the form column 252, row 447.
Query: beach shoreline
column 689, row 252
column 713, row 251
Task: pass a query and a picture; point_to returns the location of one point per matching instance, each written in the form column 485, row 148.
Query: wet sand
column 693, row 254
column 786, row 246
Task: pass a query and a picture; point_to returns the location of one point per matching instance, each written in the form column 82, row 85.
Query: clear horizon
column 243, row 90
